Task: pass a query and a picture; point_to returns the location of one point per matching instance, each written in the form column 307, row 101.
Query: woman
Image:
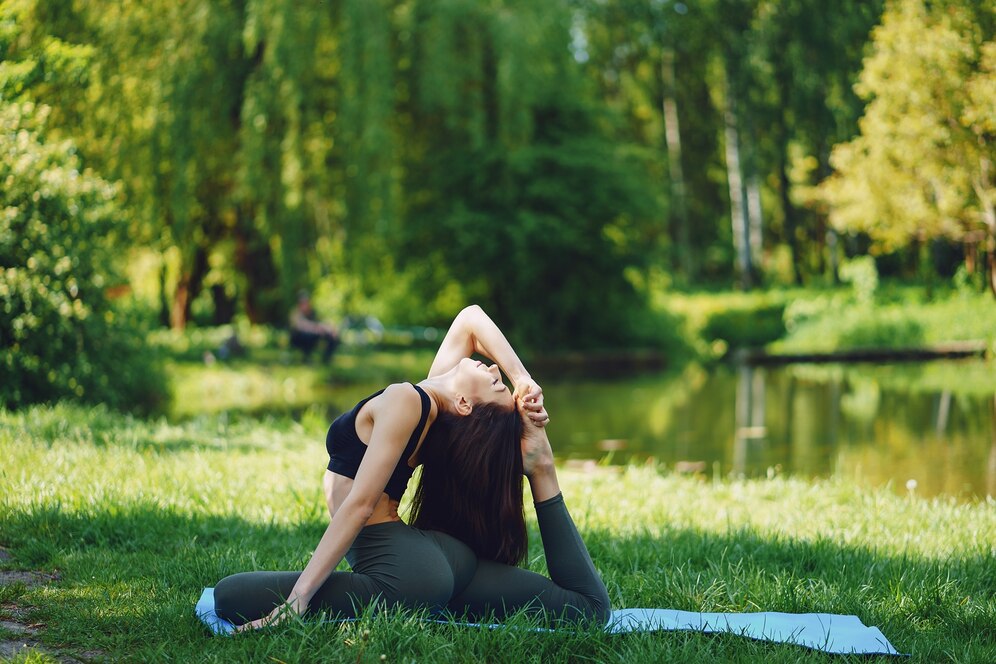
column 474, row 439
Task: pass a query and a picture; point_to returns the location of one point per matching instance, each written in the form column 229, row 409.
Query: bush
column 747, row 326
column 60, row 337
column 889, row 328
column 862, row 274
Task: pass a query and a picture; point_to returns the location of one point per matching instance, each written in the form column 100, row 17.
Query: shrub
column 753, row 325
column 890, row 328
column 60, row 337
column 862, row 274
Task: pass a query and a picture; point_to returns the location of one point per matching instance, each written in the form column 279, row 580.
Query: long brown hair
column 471, row 482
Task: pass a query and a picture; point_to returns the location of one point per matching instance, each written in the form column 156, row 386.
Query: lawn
column 128, row 519
column 827, row 320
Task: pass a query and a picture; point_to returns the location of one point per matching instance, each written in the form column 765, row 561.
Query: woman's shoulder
column 401, row 395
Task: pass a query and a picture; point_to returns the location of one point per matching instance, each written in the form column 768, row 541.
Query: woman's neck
column 440, row 391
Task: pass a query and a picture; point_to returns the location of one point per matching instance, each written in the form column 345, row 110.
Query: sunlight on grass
column 142, row 514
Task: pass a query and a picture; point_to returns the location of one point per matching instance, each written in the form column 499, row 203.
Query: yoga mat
column 843, row 635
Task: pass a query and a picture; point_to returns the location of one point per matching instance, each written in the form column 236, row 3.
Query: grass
column 136, row 516
column 797, row 320
column 900, row 317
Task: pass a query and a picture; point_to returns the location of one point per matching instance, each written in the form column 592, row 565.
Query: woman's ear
column 461, row 405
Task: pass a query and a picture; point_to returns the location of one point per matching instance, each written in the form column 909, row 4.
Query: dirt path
column 14, row 618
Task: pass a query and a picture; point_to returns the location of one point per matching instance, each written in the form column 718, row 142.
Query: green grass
column 898, row 318
column 137, row 516
column 798, row 320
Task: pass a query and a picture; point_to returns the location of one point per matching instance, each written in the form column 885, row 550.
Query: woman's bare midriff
column 337, row 488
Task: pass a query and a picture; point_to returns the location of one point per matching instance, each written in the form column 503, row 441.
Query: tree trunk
column 991, row 264
column 188, row 288
column 164, row 303
column 224, row 306
column 734, row 176
column 832, row 243
column 826, row 236
column 986, row 202
column 756, row 222
column 672, row 139
column 791, row 219
column 254, row 260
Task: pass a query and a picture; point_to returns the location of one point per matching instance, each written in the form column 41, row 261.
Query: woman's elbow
column 360, row 509
column 470, row 312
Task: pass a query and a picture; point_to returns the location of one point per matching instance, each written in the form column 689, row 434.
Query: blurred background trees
column 558, row 162
column 923, row 164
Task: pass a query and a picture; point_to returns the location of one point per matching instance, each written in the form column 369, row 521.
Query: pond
column 928, row 428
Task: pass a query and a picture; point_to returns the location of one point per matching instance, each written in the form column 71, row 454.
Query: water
column 926, row 427
column 929, row 425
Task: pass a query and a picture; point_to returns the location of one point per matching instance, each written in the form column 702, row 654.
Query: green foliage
column 59, row 335
column 862, row 274
column 407, row 158
column 900, row 317
column 519, row 197
column 718, row 321
column 922, row 166
column 888, row 329
column 747, row 326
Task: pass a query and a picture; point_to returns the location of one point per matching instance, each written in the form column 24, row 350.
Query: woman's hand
column 536, row 451
column 529, row 398
column 293, row 607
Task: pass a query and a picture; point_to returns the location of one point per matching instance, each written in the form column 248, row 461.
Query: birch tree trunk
column 672, row 139
column 734, row 177
column 756, row 221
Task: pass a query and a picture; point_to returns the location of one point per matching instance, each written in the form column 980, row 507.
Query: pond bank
column 945, row 351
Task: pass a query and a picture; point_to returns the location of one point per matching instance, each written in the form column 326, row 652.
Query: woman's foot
column 537, row 454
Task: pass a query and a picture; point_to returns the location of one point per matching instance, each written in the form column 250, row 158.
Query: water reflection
column 932, row 423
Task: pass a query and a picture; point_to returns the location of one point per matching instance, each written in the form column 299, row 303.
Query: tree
column 512, row 189
column 651, row 64
column 806, row 57
column 59, row 335
column 923, row 165
column 204, row 112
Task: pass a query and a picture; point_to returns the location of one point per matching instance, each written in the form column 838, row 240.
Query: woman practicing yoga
column 475, row 440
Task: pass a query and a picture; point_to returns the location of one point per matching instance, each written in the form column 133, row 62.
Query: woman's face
column 481, row 383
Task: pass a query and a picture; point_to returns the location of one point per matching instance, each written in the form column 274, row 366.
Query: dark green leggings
column 395, row 564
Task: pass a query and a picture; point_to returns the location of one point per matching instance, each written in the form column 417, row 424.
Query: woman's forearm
column 543, row 481
column 488, row 340
column 331, row 549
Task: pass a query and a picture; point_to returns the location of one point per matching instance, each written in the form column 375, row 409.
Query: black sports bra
column 346, row 450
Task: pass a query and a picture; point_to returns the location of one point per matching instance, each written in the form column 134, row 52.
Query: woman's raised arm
column 473, row 331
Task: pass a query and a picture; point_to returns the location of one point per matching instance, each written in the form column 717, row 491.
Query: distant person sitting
column 306, row 331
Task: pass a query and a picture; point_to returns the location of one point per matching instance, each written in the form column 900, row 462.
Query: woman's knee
column 226, row 598
column 251, row 595
column 601, row 609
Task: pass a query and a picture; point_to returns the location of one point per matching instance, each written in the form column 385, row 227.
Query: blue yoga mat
column 843, row 635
